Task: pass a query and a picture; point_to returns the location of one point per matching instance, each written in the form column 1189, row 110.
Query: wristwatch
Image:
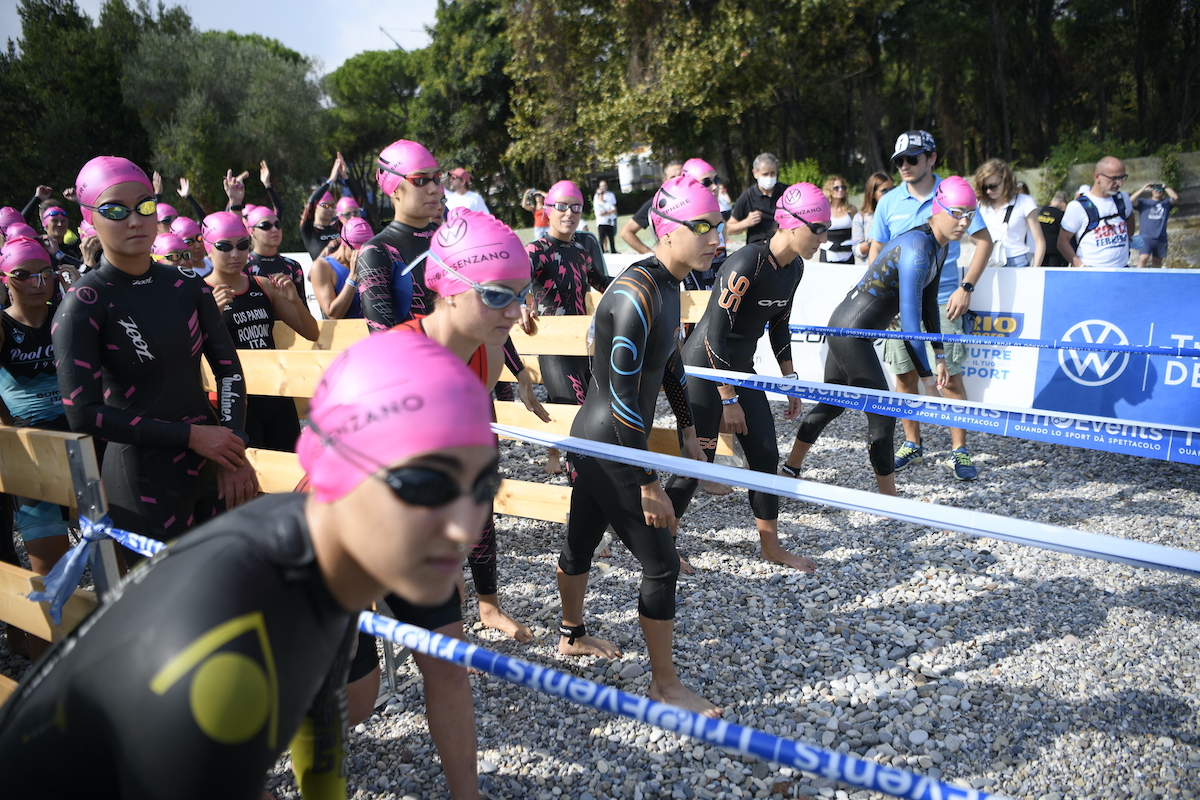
column 791, row 376
column 970, row 287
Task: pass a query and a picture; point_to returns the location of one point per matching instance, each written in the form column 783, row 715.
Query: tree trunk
column 1000, row 38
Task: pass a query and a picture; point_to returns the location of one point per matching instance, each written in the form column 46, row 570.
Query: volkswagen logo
column 1093, row 367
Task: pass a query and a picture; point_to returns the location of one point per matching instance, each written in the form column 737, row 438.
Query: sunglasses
column 494, row 297
column 912, row 160
column 268, row 225
column 116, row 211
column 343, row 215
column 697, row 226
column 175, row 257
column 1115, row 178
column 706, row 182
column 21, row 275
column 816, row 227
column 991, row 187
column 414, row 179
column 226, row 247
column 961, row 213
column 327, row 205
column 561, row 206
column 839, row 188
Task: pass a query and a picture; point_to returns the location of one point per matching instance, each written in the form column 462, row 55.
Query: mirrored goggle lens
column 575, row 207
column 116, row 211
column 24, row 275
column 502, row 297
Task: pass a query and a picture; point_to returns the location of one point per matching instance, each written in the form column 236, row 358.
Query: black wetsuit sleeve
column 197, row 209
column 596, row 276
column 29, row 212
column 780, row 334
column 512, row 359
column 375, row 287
column 319, row 747
column 79, row 349
column 626, row 361
column 308, row 216
column 276, row 203
column 675, row 386
column 223, row 359
column 916, row 287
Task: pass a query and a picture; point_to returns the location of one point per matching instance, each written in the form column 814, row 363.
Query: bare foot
column 553, row 466
column 685, row 568
column 680, row 695
column 715, row 488
column 603, row 552
column 588, row 646
column 782, row 556
column 496, row 619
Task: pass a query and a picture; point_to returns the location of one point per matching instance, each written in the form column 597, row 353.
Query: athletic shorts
column 428, row 617
column 895, row 355
column 1156, row 248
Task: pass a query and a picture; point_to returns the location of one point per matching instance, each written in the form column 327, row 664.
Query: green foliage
column 807, row 171
column 1070, row 152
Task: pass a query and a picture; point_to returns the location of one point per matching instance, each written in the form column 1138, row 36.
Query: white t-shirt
column 1018, row 224
column 1108, row 244
column 605, row 206
column 471, row 201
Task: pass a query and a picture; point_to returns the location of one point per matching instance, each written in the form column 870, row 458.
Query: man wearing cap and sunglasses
column 908, row 206
column 460, row 196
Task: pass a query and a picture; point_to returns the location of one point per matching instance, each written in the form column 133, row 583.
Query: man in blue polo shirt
column 908, row 206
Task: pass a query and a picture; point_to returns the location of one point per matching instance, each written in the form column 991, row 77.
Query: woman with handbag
column 1008, row 215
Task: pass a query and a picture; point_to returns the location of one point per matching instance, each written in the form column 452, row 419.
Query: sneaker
column 964, row 470
column 909, row 454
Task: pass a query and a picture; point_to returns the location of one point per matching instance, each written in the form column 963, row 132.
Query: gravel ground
column 1024, row 672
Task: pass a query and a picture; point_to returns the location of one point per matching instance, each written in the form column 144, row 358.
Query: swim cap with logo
column 479, row 246
column 222, row 225
column 19, row 250
column 347, row 204
column 167, row 243
column 185, row 228
column 387, row 398
column 563, row 191
column 401, row 158
column 697, row 168
column 86, row 229
column 21, row 229
column 803, row 200
column 166, row 212
column 953, row 192
column 683, row 198
column 104, row 172
column 356, row 232
column 9, row 216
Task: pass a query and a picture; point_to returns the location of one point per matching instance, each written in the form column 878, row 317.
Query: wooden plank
column 692, row 305
column 7, row 687
column 33, row 463
column 556, row 336
column 278, row 472
column 336, row 335
column 542, row 501
column 279, row 373
column 34, row 618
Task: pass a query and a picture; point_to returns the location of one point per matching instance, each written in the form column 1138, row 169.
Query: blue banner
column 1134, row 307
column 1078, row 430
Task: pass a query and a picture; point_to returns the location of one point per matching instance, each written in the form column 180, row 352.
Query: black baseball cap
column 912, row 142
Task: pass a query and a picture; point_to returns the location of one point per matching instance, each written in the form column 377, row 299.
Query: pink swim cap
column 563, row 190
column 247, row 210
column 697, row 168
column 802, row 200
column 167, row 243
column 20, row 229
column 953, row 192
column 258, row 215
column 86, row 229
column 683, row 198
column 401, row 158
column 185, row 228
column 165, row 212
column 480, row 247
column 9, row 216
column 327, row 197
column 20, row 249
column 356, row 232
column 387, row 398
column 347, row 204
column 103, row 172
column 222, row 225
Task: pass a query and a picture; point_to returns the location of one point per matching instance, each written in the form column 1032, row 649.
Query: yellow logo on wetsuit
column 231, row 695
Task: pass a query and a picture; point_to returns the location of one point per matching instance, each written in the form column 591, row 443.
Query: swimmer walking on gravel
column 637, row 334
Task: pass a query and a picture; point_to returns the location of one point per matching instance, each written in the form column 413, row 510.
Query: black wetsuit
column 562, row 272
column 277, row 265
column 128, row 350
column 382, row 289
column 637, row 334
column 193, row 679
column 752, row 294
column 271, row 422
column 903, row 279
column 317, row 239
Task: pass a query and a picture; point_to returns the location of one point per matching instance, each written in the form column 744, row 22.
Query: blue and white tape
column 1106, row 434
column 972, row 523
column 1000, row 341
column 843, row 767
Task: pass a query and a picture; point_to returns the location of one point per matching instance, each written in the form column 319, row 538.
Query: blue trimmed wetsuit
column 752, row 294
column 903, row 279
column 190, row 682
column 341, row 274
column 637, row 334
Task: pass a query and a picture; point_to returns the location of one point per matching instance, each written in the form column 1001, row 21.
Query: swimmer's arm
column 780, row 336
column 319, row 746
column 675, row 386
column 375, row 288
column 223, row 359
column 626, row 350
column 913, row 271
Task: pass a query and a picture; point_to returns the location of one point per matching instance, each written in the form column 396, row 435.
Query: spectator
column 1022, row 187
column 1050, row 221
column 878, row 185
column 724, row 203
column 1097, row 225
column 641, row 220
column 754, row 211
column 534, row 202
column 1008, row 214
column 837, row 249
column 1153, row 214
column 605, row 206
column 460, row 196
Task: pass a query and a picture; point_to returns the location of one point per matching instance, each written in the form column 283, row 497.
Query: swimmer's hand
column 237, row 486
column 525, row 392
column 217, row 443
column 795, row 408
column 691, row 444
column 656, row 506
column 943, row 374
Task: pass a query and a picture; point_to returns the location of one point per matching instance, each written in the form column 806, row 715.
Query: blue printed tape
column 972, row 523
column 1056, row 427
column 993, row 341
column 830, row 764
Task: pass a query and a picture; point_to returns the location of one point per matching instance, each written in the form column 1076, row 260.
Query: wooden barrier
column 36, row 464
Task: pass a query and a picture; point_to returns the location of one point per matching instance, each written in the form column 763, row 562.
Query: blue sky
column 331, row 31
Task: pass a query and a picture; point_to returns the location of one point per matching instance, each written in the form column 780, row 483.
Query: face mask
column 767, row 183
